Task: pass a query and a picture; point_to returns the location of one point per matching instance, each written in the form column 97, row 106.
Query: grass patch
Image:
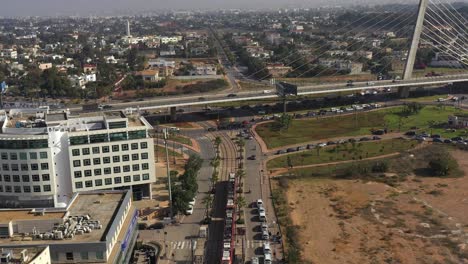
column 181, row 139
column 162, row 152
column 400, row 167
column 342, row 152
column 304, row 130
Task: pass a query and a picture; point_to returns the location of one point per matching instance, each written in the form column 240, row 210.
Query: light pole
column 168, row 173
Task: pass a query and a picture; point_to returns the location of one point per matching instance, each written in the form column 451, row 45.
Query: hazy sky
column 83, row 7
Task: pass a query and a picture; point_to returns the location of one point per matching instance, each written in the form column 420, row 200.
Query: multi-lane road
column 228, row 96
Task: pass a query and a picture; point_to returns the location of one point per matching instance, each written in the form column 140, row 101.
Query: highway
column 222, row 97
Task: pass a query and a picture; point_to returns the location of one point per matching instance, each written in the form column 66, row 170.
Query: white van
column 262, row 216
column 267, row 259
column 266, row 248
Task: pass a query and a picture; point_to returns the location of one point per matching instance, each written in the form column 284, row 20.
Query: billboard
column 285, row 89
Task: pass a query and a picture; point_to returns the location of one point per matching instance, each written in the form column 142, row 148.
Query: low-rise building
column 9, row 54
column 206, row 69
column 90, row 68
column 149, row 75
column 458, row 120
column 94, row 227
column 278, row 70
column 45, row 66
column 25, row 255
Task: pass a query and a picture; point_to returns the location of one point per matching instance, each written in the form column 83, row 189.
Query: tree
column 208, row 202
column 440, row 166
column 241, row 203
column 289, row 161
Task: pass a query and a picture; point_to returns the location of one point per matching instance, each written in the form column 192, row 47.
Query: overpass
column 223, row 97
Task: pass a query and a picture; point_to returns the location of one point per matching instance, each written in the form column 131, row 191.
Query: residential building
column 46, row 157
column 94, row 227
column 45, row 66
column 149, row 75
column 458, row 120
column 342, row 65
column 273, row 38
column 9, row 54
column 37, row 254
column 90, row 68
column 278, row 70
column 206, row 69
column 167, row 40
column 442, row 59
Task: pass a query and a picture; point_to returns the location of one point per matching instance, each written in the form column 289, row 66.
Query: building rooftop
column 98, row 207
column 56, row 117
column 22, row 254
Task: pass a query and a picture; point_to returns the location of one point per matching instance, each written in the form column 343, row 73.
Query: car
column 438, row 140
column 261, row 209
column 321, row 145
column 262, row 217
column 265, row 235
column 253, row 157
column 189, row 211
column 266, row 91
column 364, row 139
column 254, row 260
column 267, row 259
column 211, row 129
column 264, row 227
column 231, row 95
column 301, row 148
column 351, row 140
column 410, row 133
column 192, row 203
column 259, row 203
column 291, row 150
column 457, row 139
column 447, row 141
column 266, row 248
column 281, row 151
column 331, row 143
column 310, row 146
column 376, row 138
column 201, row 98
column 378, row 132
column 435, row 136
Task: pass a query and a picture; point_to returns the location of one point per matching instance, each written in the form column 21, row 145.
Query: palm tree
column 217, row 142
column 240, row 174
column 241, row 203
column 207, row 201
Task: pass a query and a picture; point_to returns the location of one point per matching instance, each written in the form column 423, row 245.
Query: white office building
column 46, row 157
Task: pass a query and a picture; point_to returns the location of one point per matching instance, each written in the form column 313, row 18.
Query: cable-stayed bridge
column 435, row 24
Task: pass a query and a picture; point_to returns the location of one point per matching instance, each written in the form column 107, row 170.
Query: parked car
column 310, row 146
column 264, row 227
column 435, row 136
column 231, row 95
column 301, row 148
column 253, row 157
column 410, row 133
column 376, row 138
column 255, row 260
column 291, row 150
column 265, row 235
column 259, row 203
column 189, row 211
column 281, row 151
column 351, row 140
column 364, row 139
column 266, row 248
column 457, row 139
column 331, row 143
column 378, row 132
column 447, row 141
column 211, row 129
column 321, row 144
column 438, row 140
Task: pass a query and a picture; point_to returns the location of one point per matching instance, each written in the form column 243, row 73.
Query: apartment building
column 46, row 157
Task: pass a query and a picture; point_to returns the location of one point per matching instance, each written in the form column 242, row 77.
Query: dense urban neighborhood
column 324, row 134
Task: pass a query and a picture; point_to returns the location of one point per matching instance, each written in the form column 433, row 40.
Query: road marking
column 185, row 244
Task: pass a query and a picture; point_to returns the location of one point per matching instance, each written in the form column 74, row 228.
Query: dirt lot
column 423, row 220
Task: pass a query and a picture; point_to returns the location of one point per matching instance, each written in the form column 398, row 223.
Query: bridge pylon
column 408, row 72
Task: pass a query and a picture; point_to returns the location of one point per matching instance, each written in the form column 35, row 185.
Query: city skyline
column 109, row 7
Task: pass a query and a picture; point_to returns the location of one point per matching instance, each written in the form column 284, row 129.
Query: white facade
column 167, row 40
column 46, row 165
column 9, row 53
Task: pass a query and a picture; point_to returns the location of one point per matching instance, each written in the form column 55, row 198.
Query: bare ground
column 424, row 220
